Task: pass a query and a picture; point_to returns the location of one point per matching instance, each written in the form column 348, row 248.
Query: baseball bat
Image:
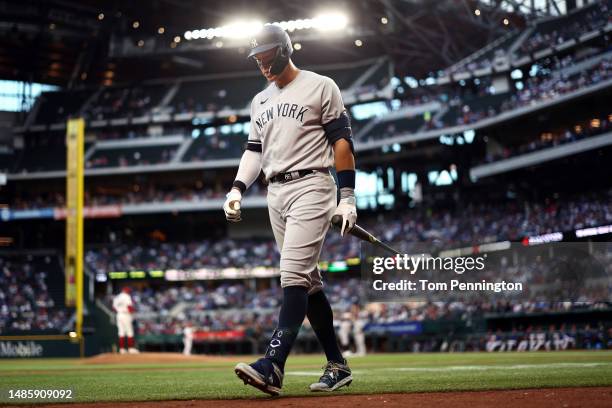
column 364, row 235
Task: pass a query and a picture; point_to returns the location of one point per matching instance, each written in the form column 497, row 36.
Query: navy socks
column 321, row 319
column 292, row 314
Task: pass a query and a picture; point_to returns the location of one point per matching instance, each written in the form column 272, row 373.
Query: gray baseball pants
column 300, row 213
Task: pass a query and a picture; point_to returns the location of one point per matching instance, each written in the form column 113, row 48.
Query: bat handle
column 337, row 221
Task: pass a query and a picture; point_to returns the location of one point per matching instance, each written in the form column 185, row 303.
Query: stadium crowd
column 580, row 131
column 471, row 224
column 237, row 307
column 194, row 255
column 467, row 105
column 568, row 28
column 533, row 90
column 479, row 222
column 463, row 106
column 136, row 194
column 122, row 102
column 26, row 303
column 542, row 88
column 556, row 33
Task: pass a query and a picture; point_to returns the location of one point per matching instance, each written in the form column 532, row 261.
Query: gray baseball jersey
column 289, row 123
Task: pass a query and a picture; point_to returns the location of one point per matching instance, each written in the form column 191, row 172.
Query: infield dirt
column 155, row 358
column 595, row 397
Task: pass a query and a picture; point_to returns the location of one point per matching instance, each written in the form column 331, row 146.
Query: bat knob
column 336, row 221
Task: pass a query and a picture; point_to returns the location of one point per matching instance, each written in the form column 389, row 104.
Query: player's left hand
column 348, row 211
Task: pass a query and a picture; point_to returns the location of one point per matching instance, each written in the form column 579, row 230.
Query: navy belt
column 290, row 176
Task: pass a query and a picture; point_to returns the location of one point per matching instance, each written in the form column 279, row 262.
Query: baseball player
column 188, row 339
column 361, row 321
column 344, row 333
column 124, row 307
column 299, row 130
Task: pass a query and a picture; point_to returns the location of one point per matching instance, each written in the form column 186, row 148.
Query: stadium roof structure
column 74, row 43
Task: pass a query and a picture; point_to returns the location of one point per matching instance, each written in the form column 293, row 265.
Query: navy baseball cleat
column 262, row 374
column 336, row 375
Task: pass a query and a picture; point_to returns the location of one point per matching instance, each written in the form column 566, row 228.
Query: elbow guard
column 339, row 128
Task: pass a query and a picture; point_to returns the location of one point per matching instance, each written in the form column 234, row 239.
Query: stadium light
column 411, row 82
column 331, row 21
column 241, row 29
column 516, row 74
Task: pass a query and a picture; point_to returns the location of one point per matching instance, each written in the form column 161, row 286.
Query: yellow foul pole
column 75, row 136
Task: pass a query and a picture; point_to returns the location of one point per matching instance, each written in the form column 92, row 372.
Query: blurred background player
column 344, row 332
column 353, row 322
column 124, row 308
column 187, row 339
column 360, row 320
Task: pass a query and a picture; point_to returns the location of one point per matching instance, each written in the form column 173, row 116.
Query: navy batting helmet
column 273, row 36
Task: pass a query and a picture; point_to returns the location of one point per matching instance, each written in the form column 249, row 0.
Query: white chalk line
column 464, row 368
column 500, row 367
column 318, row 373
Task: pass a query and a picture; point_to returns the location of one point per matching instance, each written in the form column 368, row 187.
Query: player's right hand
column 348, row 212
column 231, row 207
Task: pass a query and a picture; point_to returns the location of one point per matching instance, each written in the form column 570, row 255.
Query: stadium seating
column 580, row 131
column 41, row 157
column 344, row 78
column 379, row 77
column 556, row 31
column 31, row 294
column 473, row 223
column 215, row 95
column 131, row 156
column 474, row 108
column 216, row 146
column 485, row 59
column 385, row 129
column 125, row 102
column 6, row 161
column 228, row 306
column 56, row 107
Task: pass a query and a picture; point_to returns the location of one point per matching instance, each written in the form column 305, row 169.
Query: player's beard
column 269, row 76
column 266, row 72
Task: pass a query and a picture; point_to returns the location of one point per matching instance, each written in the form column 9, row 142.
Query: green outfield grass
column 373, row 374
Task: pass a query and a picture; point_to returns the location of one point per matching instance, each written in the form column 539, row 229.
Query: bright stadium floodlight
column 241, row 29
column 332, row 21
column 237, row 29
